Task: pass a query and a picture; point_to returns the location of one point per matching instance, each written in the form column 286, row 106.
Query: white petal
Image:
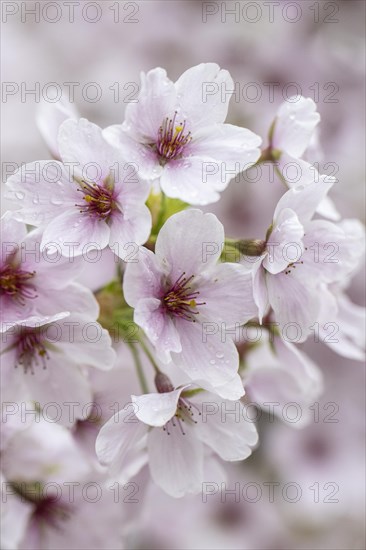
column 194, row 180
column 49, row 117
column 294, row 303
column 157, row 100
column 142, row 278
column 295, row 123
column 207, row 353
column 176, row 460
column 82, row 142
column 305, row 198
column 228, row 432
column 233, row 308
column 75, row 233
column 155, row 409
column 190, row 242
column 234, row 149
column 200, row 93
column 158, row 327
column 117, row 437
column 41, row 190
column 285, row 242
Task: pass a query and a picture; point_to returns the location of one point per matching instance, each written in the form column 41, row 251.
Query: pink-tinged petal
column 85, row 342
column 345, row 332
column 49, row 117
column 38, row 320
column 195, row 180
column 232, row 390
column 260, row 293
column 158, row 327
column 207, row 353
column 291, row 169
column 294, row 301
column 12, row 235
column 190, row 242
column 295, row 124
column 156, row 409
column 353, row 249
column 305, row 198
column 82, row 142
column 121, row 434
column 157, row 99
column 73, row 297
column 326, row 251
column 139, row 154
column 176, row 460
column 200, row 94
column 328, row 209
column 231, row 308
column 74, row 233
column 234, row 149
column 126, row 234
column 223, row 427
column 60, row 383
column 142, row 277
column 284, row 245
column 41, row 191
column 282, row 374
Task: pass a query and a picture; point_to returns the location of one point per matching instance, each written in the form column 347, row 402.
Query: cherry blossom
column 178, row 427
column 93, row 198
column 181, row 301
column 176, row 132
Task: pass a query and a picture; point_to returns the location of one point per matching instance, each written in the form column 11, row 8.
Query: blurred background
column 273, row 50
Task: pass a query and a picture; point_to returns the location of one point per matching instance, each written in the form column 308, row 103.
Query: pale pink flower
column 49, row 117
column 178, row 427
column 93, row 198
column 35, row 283
column 48, row 494
column 299, row 255
column 186, row 302
column 176, row 132
column 44, row 360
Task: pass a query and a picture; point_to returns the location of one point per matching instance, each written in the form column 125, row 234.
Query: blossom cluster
column 121, row 295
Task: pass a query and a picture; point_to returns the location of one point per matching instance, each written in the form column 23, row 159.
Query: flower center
column 31, row 350
column 181, row 300
column 15, row 283
column 46, row 508
column 172, row 139
column 98, row 200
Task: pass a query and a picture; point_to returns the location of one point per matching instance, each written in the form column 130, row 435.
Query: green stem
column 139, row 369
column 148, row 354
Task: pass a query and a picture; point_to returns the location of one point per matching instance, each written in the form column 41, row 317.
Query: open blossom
column 49, row 118
column 32, row 283
column 176, row 132
column 300, row 254
column 43, row 360
column 178, row 427
column 181, row 300
column 93, row 198
column 47, row 491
